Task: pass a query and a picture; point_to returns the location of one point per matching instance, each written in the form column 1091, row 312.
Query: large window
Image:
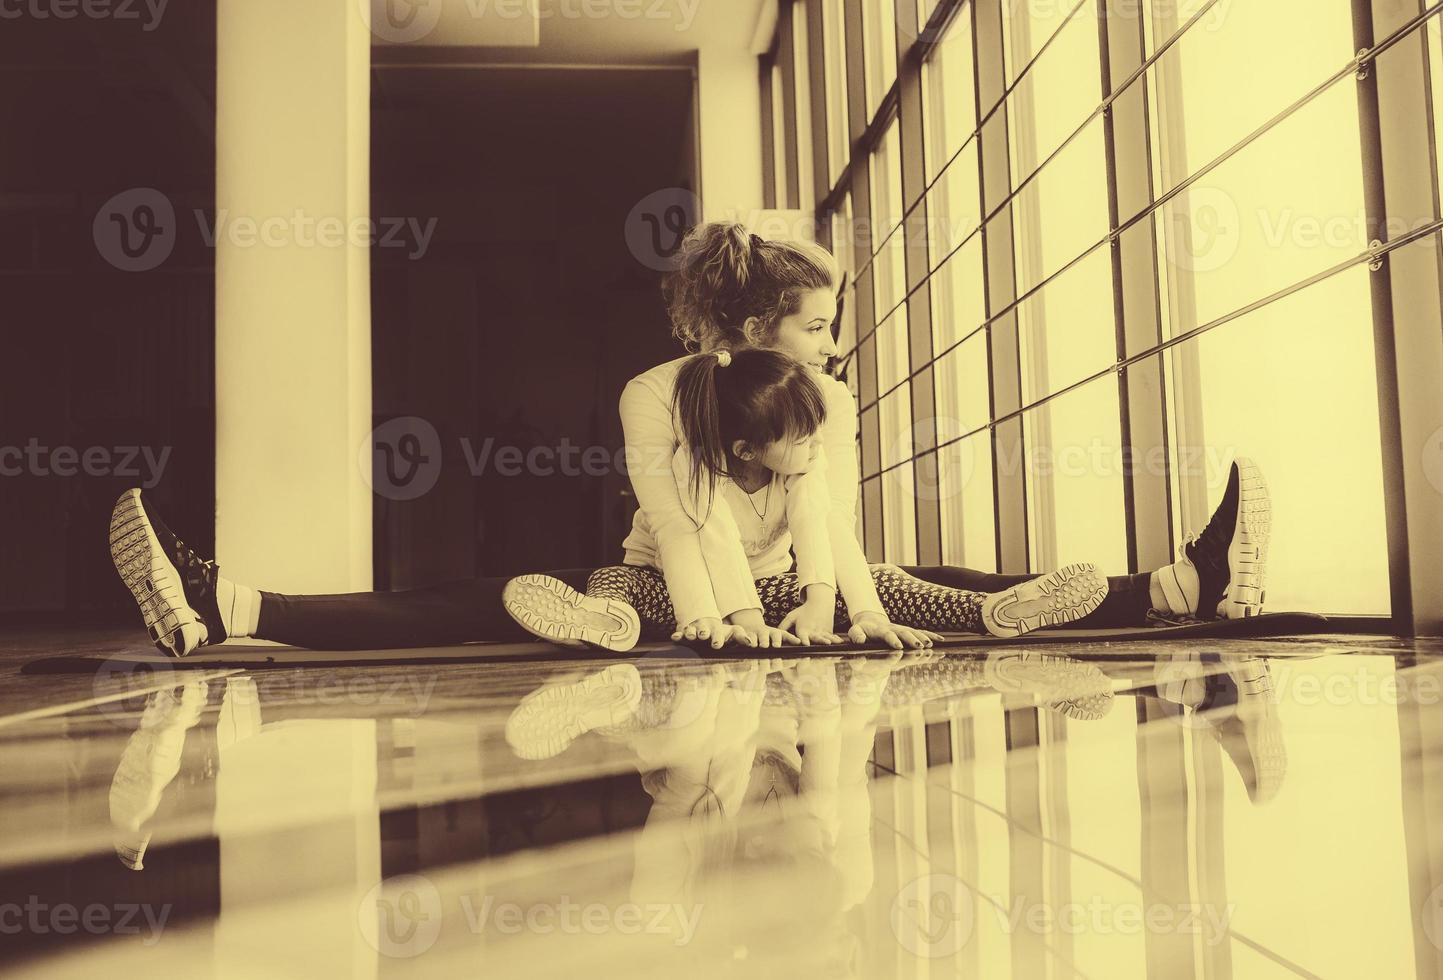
column 1094, row 281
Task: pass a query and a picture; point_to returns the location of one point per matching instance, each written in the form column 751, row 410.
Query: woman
column 732, row 290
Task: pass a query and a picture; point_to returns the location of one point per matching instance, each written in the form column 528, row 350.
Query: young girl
column 751, row 425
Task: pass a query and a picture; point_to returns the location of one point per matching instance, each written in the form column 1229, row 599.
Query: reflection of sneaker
column 1064, row 596
column 148, row 764
column 173, row 586
column 1246, row 724
column 1078, row 690
column 548, row 720
column 555, row 611
column 1222, row 572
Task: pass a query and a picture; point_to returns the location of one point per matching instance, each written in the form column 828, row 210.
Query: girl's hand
column 874, row 626
column 767, row 637
column 811, row 622
column 720, row 634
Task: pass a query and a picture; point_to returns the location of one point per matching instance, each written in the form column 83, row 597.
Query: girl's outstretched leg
column 1061, row 597
column 606, row 615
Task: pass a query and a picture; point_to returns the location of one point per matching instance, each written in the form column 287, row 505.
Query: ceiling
column 573, row 31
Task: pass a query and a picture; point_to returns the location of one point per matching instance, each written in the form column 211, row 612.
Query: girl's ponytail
column 695, row 403
column 762, row 397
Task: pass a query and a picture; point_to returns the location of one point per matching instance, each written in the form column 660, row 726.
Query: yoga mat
column 253, row 656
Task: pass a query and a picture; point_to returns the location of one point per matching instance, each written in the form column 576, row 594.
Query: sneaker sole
column 1248, row 552
column 175, row 628
column 553, row 610
column 1064, row 596
column 1079, row 691
column 547, row 721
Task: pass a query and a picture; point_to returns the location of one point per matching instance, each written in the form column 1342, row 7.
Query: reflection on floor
column 1210, row 810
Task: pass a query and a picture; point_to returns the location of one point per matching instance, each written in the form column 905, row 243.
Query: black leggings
column 471, row 610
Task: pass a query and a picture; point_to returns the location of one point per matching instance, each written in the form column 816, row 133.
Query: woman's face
column 806, row 335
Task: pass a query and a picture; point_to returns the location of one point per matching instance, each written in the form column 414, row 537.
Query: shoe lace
column 199, row 575
column 1159, row 618
column 1211, row 544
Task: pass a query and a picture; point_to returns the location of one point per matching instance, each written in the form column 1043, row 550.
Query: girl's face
column 806, row 335
column 790, row 457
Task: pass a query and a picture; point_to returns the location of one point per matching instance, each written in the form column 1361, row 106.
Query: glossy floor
column 1238, row 809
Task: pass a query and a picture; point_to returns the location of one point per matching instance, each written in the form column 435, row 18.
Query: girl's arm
column 699, row 589
column 839, row 442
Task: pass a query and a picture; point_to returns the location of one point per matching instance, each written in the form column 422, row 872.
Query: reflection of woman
column 733, row 291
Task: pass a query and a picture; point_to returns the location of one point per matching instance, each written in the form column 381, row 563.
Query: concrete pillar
column 729, row 104
column 293, row 337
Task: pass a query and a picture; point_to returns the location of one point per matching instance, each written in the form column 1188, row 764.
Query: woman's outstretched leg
column 443, row 615
column 1220, row 573
column 186, row 603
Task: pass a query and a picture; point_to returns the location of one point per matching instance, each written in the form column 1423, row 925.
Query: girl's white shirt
column 698, row 543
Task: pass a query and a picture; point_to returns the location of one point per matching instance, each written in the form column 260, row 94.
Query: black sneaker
column 1231, row 553
column 174, row 587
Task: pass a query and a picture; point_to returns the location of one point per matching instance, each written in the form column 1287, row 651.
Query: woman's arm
column 699, row 588
column 807, row 504
column 839, row 442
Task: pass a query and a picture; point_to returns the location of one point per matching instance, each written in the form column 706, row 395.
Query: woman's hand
column 711, row 628
column 811, row 622
column 767, row 637
column 874, row 626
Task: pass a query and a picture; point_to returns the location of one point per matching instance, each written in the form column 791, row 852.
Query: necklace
column 766, row 504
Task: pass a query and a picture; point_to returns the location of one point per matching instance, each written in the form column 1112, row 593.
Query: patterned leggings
column 907, row 601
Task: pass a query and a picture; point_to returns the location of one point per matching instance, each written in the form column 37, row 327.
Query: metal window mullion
column 928, row 509
column 1031, row 321
column 769, row 129
column 1407, row 320
column 860, row 171
column 1000, row 279
column 786, row 61
column 817, row 79
column 1141, row 389
column 1192, row 506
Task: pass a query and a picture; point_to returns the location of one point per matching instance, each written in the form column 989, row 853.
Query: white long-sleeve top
column 700, row 549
